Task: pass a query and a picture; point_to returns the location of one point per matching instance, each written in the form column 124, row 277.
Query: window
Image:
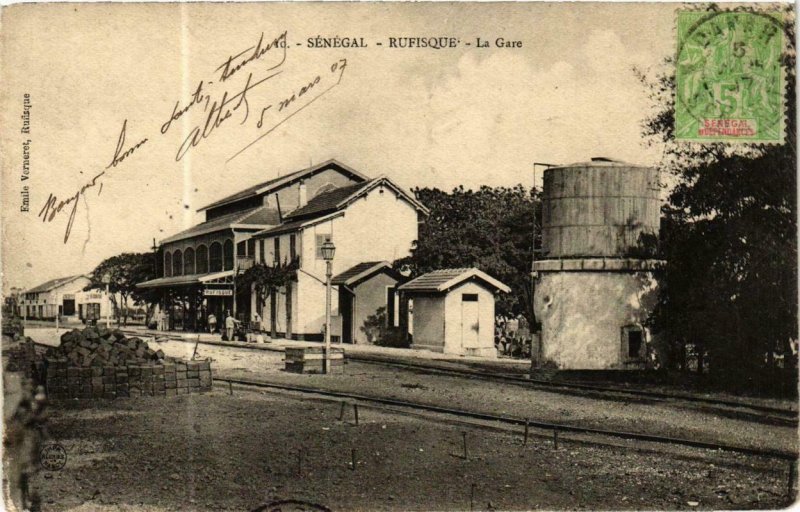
column 215, row 257
column 292, row 247
column 241, row 249
column 276, row 250
column 202, row 259
column 321, row 239
column 251, row 247
column 177, row 263
column 227, row 253
column 469, row 297
column 167, row 264
column 634, row 344
column 262, row 255
column 188, row 262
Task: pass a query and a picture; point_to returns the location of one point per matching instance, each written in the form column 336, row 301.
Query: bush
column 380, row 333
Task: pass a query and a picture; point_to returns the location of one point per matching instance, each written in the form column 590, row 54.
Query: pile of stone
column 98, row 346
column 102, row 363
column 23, row 356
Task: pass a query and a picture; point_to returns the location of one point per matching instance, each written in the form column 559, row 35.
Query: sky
column 423, row 117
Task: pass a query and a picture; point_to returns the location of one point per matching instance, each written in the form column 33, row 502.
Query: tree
column 265, row 280
column 729, row 235
column 491, row 229
column 125, row 272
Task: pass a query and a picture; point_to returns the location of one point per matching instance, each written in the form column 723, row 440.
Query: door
column 273, row 312
column 346, row 312
column 289, row 288
column 470, row 324
column 390, row 306
column 69, row 307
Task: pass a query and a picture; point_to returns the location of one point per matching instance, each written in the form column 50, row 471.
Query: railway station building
column 285, row 219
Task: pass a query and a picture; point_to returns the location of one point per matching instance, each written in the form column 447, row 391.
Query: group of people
column 512, row 336
column 227, row 329
column 230, row 324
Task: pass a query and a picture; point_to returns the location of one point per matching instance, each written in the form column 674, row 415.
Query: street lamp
column 106, row 280
column 328, row 250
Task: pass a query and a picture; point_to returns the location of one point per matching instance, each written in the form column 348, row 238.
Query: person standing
column 230, row 324
column 212, row 323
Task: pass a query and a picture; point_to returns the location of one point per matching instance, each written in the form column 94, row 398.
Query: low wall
column 167, row 379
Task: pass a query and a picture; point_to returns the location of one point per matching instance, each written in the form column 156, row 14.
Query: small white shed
column 454, row 311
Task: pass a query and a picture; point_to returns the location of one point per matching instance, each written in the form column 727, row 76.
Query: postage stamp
column 729, row 78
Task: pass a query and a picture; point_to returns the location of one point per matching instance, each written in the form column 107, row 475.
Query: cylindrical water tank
column 601, row 208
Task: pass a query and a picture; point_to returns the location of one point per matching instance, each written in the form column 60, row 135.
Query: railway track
column 774, row 415
column 729, row 408
column 418, row 408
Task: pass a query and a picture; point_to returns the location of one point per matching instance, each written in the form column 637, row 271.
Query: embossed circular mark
column 53, row 457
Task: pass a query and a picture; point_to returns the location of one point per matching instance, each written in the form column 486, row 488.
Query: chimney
column 302, row 197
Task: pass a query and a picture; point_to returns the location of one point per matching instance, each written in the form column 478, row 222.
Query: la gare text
column 435, row 43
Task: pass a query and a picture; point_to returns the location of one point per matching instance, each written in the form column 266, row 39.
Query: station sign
column 217, row 293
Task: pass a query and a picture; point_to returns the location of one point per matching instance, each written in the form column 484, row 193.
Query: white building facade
column 64, row 297
column 370, row 221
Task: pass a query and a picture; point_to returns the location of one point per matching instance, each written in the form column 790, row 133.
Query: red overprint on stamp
column 728, row 127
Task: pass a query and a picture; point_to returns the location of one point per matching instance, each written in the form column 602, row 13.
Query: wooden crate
column 311, row 360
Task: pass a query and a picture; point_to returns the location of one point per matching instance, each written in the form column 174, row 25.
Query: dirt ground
column 675, row 419
column 220, row 452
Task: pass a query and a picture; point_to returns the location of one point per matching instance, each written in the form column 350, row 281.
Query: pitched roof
column 442, row 280
column 326, row 202
column 325, row 205
column 281, row 181
column 258, row 217
column 362, row 271
column 53, row 283
column 286, row 227
column 339, row 198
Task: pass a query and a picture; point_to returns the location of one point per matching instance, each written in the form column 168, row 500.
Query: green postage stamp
column 729, row 79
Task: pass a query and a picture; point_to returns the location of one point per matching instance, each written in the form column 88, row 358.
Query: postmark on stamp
column 729, row 79
column 53, row 457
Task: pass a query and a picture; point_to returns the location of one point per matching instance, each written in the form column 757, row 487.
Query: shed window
column 469, row 297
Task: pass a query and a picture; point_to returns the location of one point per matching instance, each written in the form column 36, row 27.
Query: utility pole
column 155, row 257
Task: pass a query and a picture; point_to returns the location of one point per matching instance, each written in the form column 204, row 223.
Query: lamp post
column 106, row 280
column 328, row 250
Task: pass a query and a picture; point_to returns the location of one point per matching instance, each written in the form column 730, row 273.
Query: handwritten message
column 219, row 101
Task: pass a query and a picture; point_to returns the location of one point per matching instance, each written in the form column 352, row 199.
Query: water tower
column 594, row 278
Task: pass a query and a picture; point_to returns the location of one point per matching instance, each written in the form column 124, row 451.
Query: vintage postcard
column 399, row 256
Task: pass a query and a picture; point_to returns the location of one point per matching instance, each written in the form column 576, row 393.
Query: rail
column 777, row 454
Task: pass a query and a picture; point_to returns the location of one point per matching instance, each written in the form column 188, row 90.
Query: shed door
column 346, row 312
column 470, row 325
